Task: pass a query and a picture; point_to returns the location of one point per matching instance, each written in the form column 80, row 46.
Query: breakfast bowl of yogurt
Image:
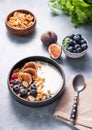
column 36, row 81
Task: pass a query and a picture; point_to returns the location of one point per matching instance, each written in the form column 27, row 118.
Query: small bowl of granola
column 20, row 22
column 36, row 81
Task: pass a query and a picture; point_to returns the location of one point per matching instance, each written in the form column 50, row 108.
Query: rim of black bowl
column 20, row 10
column 42, row 102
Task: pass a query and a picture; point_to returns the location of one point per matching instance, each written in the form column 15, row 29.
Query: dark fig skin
column 48, row 38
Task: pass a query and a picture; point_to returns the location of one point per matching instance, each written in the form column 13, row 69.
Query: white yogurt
column 53, row 78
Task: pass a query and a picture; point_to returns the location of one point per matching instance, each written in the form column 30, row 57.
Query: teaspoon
column 78, row 85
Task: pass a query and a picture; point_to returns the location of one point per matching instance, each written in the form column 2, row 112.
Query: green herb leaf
column 65, row 43
column 80, row 11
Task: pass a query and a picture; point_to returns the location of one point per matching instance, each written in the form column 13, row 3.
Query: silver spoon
column 78, row 85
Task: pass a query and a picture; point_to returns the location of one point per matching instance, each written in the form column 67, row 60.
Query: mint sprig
column 80, row 11
column 65, row 43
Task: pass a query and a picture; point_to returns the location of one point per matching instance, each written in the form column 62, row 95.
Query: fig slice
column 30, row 71
column 55, row 51
column 26, row 77
column 30, row 65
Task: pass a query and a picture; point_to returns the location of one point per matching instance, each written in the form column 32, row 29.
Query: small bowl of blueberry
column 75, row 46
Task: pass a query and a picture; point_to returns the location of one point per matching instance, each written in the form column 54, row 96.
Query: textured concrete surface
column 14, row 116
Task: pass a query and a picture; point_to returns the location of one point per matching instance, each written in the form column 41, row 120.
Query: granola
column 21, row 20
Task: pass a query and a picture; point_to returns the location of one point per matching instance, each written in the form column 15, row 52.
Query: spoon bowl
column 78, row 83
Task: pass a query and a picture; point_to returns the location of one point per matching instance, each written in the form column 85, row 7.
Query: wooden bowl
column 19, row 31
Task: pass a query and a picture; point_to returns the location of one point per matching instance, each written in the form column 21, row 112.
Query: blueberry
column 79, row 49
column 83, row 41
column 33, row 93
column 70, row 42
column 74, row 42
column 71, row 36
column 33, row 86
column 79, row 35
column 23, row 92
column 16, row 88
column 74, row 51
column 77, row 38
column 76, row 46
column 70, row 48
column 84, row 46
column 15, row 81
column 48, row 96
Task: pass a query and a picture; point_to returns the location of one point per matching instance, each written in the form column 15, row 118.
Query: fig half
column 55, row 51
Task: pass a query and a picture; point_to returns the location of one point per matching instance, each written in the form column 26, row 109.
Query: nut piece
column 31, row 98
column 25, row 84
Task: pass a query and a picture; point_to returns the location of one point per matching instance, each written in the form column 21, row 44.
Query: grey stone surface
column 14, row 116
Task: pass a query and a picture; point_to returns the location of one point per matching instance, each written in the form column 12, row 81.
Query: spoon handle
column 74, row 111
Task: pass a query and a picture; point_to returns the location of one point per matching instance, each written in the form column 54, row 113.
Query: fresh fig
column 48, row 38
column 55, row 51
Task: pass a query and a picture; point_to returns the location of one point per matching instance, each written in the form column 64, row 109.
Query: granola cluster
column 21, row 20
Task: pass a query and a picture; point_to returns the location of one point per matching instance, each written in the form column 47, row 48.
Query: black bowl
column 43, row 102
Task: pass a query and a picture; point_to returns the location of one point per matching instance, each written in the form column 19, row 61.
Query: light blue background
column 14, row 116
